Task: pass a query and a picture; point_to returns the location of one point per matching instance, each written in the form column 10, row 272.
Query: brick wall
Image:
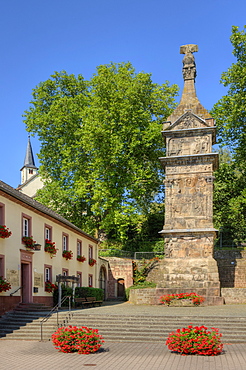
column 120, row 269
column 232, row 268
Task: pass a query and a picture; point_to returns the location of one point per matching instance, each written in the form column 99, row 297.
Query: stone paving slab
column 34, row 355
column 126, row 308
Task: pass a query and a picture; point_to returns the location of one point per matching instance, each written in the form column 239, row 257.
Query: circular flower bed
column 195, row 340
column 73, row 339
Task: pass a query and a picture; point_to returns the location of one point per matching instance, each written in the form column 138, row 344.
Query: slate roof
column 5, row 188
column 29, row 158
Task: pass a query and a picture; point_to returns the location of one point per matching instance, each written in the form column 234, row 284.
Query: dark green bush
column 79, row 292
column 89, row 292
column 65, row 292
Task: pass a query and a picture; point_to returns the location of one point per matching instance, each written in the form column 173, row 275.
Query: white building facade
column 28, row 269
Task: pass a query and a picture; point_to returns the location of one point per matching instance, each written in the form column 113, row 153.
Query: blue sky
column 40, row 37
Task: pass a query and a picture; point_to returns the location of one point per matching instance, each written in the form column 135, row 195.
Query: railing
column 16, row 290
column 115, row 253
column 55, row 309
column 147, row 255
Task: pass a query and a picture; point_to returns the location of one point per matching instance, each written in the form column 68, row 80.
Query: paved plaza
column 34, row 355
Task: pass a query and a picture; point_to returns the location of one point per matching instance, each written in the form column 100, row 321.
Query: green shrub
column 81, row 292
column 66, row 291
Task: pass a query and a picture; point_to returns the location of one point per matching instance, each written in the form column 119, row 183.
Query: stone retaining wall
column 234, row 295
column 152, row 295
column 232, row 268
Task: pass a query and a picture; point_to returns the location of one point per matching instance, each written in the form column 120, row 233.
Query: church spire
column 29, row 158
column 29, row 169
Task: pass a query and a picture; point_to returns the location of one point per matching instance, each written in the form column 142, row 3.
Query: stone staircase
column 26, row 326
column 24, row 322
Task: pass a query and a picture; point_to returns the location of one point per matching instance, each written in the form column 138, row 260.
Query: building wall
column 232, row 268
column 120, row 276
column 13, row 251
column 31, row 187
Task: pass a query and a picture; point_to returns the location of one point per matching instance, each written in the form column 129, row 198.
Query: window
column 47, row 232
column 26, row 225
column 47, row 273
column 79, row 248
column 90, row 281
column 2, row 214
column 90, row 251
column 30, row 172
column 64, row 242
column 79, row 275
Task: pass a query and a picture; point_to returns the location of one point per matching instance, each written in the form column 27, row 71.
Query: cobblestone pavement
column 32, row 355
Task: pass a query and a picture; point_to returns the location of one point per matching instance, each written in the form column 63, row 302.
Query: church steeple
column 29, row 169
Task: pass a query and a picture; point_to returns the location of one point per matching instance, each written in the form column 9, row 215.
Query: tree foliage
column 230, row 115
column 230, row 200
column 230, row 110
column 100, row 143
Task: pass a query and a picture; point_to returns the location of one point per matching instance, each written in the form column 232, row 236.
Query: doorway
column 102, row 280
column 120, row 288
column 26, row 282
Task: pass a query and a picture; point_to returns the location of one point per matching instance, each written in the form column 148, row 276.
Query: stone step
column 122, row 328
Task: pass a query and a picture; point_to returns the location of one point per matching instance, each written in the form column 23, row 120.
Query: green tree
column 230, row 200
column 230, row 110
column 100, row 143
column 230, row 115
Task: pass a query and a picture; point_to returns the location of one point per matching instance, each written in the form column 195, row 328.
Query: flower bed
column 4, row 285
column 73, row 339
column 92, row 261
column 4, row 232
column 195, row 340
column 195, row 299
column 50, row 247
column 67, row 254
column 81, row 258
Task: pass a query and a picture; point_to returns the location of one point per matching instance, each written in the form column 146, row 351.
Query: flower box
column 81, row 258
column 67, row 254
column 4, row 285
column 50, row 247
column 92, row 261
column 49, row 287
column 29, row 242
column 4, row 232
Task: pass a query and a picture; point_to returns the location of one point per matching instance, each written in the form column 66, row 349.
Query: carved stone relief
column 193, row 246
column 189, row 169
column 189, row 145
column 188, row 122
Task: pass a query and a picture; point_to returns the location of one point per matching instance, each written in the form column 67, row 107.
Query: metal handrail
column 11, row 294
column 55, row 309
